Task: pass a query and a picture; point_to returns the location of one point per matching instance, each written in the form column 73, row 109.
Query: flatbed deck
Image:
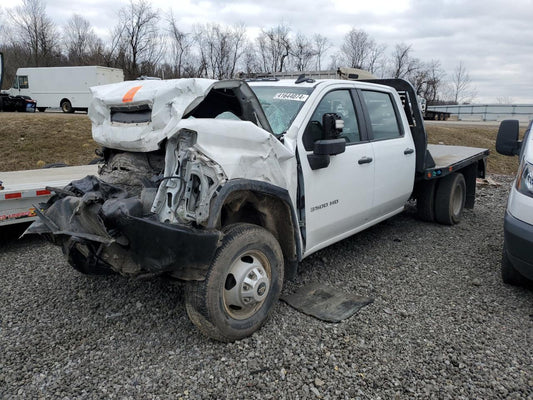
column 451, row 158
column 55, row 177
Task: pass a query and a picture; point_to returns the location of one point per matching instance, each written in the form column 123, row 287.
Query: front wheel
column 242, row 285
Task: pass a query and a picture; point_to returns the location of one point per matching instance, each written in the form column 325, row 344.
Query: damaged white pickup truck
column 229, row 184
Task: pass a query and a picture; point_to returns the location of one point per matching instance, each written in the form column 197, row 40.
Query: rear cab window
column 384, row 119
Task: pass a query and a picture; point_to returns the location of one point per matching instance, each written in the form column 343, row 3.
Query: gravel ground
column 443, row 325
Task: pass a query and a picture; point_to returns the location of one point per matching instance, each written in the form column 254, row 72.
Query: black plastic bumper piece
column 184, row 252
column 519, row 244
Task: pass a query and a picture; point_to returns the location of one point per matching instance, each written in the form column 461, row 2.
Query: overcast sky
column 493, row 38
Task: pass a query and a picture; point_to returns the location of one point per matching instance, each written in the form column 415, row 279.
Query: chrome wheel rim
column 247, row 285
column 457, row 201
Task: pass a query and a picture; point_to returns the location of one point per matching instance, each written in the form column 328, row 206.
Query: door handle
column 365, row 160
column 408, row 151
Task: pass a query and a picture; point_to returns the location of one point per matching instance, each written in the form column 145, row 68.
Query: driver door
column 338, row 197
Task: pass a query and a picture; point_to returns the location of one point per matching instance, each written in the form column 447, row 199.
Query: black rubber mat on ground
column 326, row 303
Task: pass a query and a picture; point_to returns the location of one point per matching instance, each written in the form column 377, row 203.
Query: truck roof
column 313, row 83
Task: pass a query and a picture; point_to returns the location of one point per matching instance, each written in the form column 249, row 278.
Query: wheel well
column 64, row 99
column 270, row 212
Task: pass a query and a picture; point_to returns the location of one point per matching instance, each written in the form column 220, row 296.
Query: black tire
column 247, row 268
column 450, row 199
column 66, row 106
column 425, row 201
column 81, row 263
column 41, row 109
column 509, row 274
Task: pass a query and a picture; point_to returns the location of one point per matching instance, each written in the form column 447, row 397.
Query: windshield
column 281, row 104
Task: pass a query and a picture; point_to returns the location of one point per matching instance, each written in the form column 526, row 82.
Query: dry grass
column 29, row 141
column 474, row 136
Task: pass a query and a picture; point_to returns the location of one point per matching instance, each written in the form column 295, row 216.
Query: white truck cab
column 517, row 260
column 229, row 184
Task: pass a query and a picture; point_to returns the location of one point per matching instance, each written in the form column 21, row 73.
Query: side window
column 23, row 82
column 382, row 114
column 339, row 102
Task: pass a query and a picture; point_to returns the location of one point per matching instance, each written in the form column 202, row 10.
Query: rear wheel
column 450, row 199
column 66, row 106
column 242, row 285
column 425, row 201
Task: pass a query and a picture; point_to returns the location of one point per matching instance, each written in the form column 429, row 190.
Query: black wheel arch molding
column 284, row 223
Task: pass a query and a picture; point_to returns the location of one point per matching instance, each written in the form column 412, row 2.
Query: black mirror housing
column 507, row 142
column 329, row 147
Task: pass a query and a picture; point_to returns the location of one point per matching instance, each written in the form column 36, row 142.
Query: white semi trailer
column 64, row 87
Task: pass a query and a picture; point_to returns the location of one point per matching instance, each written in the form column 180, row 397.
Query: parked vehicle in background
column 517, row 259
column 22, row 191
column 64, row 87
column 14, row 103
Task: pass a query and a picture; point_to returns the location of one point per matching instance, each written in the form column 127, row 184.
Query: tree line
column 146, row 41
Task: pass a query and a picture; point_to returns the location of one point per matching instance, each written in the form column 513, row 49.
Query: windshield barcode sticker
column 291, row 96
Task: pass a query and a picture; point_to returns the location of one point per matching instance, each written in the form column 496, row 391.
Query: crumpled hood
column 243, row 150
column 168, row 101
column 137, row 115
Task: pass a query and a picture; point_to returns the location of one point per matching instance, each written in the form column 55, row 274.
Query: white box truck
column 64, row 87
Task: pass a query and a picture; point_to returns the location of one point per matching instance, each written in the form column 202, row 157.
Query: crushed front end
column 105, row 223
column 146, row 212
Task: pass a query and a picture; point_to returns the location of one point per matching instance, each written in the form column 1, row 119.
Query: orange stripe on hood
column 128, row 97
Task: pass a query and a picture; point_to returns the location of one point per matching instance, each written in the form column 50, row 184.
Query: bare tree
column 462, row 90
column 274, row 46
column 403, row 65
column 140, row 43
column 355, row 47
column 301, row 52
column 180, row 47
column 375, row 61
column 80, row 41
column 34, row 30
column 431, row 88
column 321, row 45
column 220, row 48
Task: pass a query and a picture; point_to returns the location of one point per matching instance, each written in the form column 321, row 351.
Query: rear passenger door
column 394, row 151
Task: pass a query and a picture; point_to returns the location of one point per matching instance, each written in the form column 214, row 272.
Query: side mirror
column 322, row 151
column 507, row 142
column 332, row 126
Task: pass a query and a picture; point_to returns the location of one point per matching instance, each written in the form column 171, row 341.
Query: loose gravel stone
column 443, row 325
